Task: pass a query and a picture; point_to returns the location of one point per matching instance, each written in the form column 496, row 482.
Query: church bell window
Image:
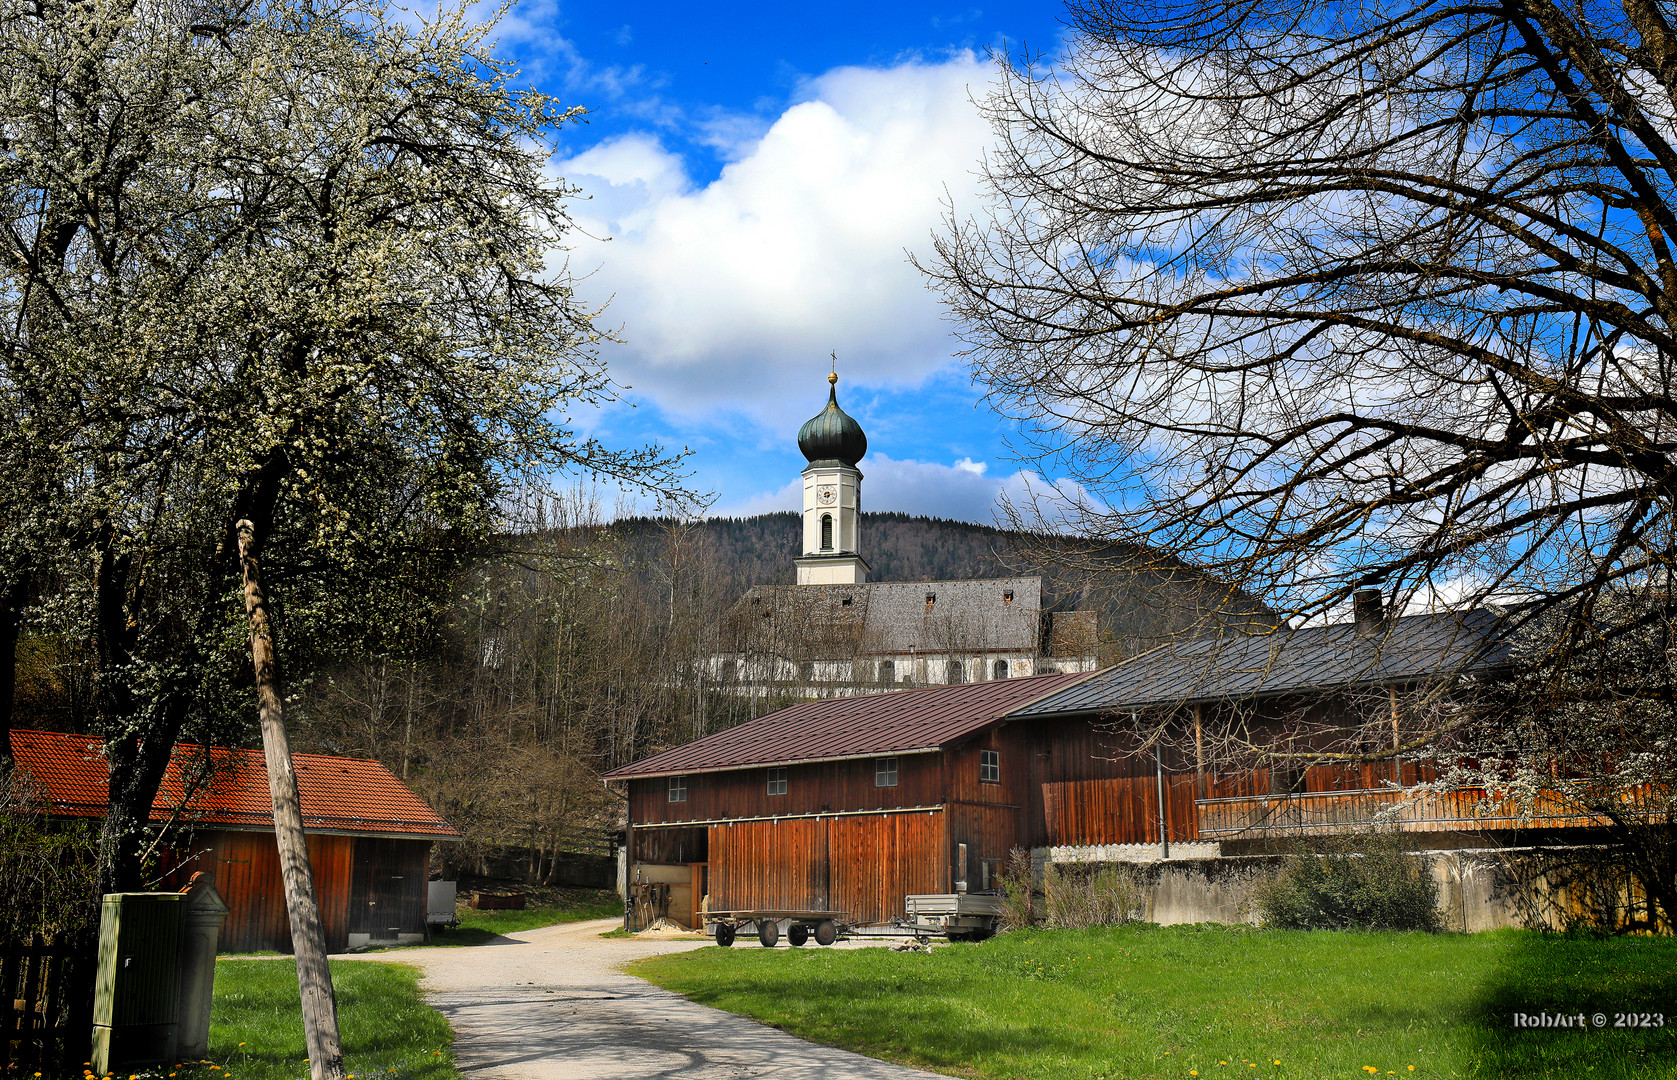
column 826, row 532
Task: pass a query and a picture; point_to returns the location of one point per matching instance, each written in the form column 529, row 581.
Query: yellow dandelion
column 1193, row 1072
column 1411, row 1068
column 1370, row 1069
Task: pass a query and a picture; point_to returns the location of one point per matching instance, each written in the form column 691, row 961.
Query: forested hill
column 899, row 547
column 742, row 552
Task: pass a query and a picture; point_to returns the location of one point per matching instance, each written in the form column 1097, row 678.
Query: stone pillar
column 205, row 912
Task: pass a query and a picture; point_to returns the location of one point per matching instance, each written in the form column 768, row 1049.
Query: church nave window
column 1000, row 670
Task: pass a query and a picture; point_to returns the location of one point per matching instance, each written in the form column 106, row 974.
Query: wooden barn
column 851, row 804
column 369, row 836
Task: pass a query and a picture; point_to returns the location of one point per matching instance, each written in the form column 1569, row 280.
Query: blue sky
column 754, row 176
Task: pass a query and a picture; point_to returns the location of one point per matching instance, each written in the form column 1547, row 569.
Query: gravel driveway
column 554, row 1004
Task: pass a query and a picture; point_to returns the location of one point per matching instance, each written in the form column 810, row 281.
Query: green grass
column 256, row 1027
column 477, row 927
column 1225, row 1002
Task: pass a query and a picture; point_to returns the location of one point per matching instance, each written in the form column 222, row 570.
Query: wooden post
column 1164, row 805
column 308, row 936
column 1397, row 766
column 1199, row 752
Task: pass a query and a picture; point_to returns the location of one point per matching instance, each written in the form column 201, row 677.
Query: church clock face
column 826, row 496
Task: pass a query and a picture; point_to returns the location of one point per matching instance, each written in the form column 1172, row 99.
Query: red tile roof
column 348, row 795
column 844, row 727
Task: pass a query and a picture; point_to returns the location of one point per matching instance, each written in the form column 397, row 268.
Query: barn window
column 957, row 671
column 777, row 781
column 885, row 772
column 826, row 532
column 887, row 671
column 1000, row 670
column 678, row 789
column 990, row 766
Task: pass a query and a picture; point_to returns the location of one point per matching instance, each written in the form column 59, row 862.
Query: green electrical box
column 136, row 1011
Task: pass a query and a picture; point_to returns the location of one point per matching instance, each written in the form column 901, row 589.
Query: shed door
column 388, row 897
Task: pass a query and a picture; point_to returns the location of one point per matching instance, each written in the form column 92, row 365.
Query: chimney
column 1370, row 612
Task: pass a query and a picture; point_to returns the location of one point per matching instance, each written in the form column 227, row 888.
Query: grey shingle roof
column 1286, row 661
column 848, row 727
column 1001, row 614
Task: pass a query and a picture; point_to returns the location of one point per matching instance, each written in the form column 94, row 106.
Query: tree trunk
column 308, row 936
column 11, row 619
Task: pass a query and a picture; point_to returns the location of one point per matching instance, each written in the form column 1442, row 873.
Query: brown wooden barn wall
column 247, row 875
column 810, row 789
column 862, row 865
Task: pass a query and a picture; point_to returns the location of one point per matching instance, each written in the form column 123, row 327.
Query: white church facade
column 835, row 632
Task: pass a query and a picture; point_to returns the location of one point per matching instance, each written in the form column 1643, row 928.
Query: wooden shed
column 369, row 836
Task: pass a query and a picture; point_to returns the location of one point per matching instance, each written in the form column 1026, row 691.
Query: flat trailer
column 824, row 926
column 959, row 916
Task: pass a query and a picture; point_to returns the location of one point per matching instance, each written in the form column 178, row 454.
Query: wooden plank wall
column 247, row 875
column 863, row 864
column 822, row 787
column 769, row 864
column 1121, row 810
column 878, row 860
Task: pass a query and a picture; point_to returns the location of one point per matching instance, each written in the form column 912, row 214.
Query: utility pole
column 308, row 936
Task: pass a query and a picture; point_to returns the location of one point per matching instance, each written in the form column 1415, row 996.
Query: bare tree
column 1326, row 296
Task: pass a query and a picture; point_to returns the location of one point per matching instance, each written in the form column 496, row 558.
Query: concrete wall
column 1477, row 890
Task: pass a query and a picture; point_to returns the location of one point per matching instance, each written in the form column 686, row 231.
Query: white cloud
column 961, row 491
column 731, row 294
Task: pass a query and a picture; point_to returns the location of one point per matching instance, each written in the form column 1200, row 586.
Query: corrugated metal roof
column 847, row 727
column 337, row 794
column 1310, row 658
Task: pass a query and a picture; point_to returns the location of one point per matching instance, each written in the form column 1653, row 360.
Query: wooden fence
column 1324, row 813
column 46, row 1002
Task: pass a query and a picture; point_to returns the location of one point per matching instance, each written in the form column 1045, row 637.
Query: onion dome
column 833, row 435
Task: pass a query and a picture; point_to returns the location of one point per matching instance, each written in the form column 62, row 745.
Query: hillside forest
column 578, row 646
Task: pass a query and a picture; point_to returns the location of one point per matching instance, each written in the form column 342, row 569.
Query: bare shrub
column 1101, row 894
column 1018, row 895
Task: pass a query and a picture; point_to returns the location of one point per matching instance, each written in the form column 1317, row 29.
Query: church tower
column 832, row 442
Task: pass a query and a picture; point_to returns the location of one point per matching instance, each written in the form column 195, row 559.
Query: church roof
column 850, row 727
column 882, row 617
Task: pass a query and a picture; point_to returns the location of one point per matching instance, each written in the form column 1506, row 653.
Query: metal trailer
column 959, row 916
column 824, row 926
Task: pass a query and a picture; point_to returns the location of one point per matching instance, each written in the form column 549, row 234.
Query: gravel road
column 554, row 1004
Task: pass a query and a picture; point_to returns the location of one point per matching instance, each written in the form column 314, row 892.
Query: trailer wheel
column 768, row 932
column 724, row 934
column 797, row 934
column 825, row 932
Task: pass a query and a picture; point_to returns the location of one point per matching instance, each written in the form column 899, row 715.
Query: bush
column 1363, row 883
column 1099, row 894
column 1018, row 898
